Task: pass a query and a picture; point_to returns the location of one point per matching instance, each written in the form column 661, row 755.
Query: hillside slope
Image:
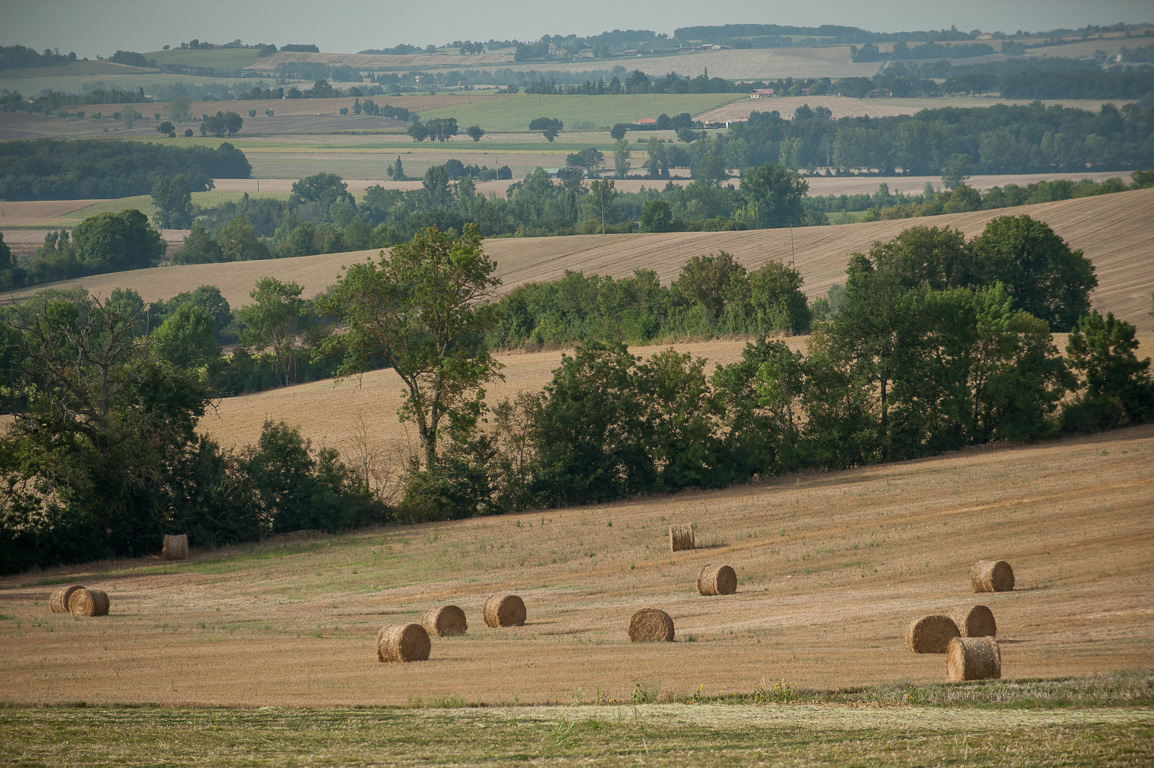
column 831, row 569
column 1116, row 232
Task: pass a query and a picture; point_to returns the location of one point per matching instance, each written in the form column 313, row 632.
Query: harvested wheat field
column 847, row 106
column 833, row 566
column 357, row 416
column 1116, row 232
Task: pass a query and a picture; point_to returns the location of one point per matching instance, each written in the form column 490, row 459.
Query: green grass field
column 1055, row 723
column 217, row 58
column 514, row 112
column 124, row 79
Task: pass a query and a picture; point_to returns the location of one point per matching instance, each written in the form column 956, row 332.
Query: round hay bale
column 504, row 611
column 716, row 580
column 88, row 602
column 975, row 621
column 973, row 658
column 403, row 642
column 175, row 547
column 992, row 576
column 681, row 537
column 651, row 625
column 930, row 634
column 444, row 621
column 59, row 600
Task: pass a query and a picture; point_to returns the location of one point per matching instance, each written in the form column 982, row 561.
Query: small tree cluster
column 221, row 124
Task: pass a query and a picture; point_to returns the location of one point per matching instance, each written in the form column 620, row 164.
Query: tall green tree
column 590, row 430
column 711, row 282
column 682, row 437
column 199, row 247
column 100, row 424
column 186, row 338
column 602, row 192
column 621, row 153
column 238, row 241
column 1041, row 273
column 423, row 309
column 773, row 195
column 866, row 336
column 112, row 242
column 776, row 300
column 1115, row 386
column 934, row 257
column 324, row 188
column 656, row 216
column 172, row 198
column 759, row 403
column 11, row 273
column 550, row 127
column 275, row 322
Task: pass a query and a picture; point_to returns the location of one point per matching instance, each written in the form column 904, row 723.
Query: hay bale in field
column 716, row 580
column 504, row 611
column 975, row 621
column 175, row 547
column 992, row 576
column 59, row 600
column 681, row 537
column 403, row 642
column 973, row 658
column 930, row 634
column 88, row 602
column 444, row 621
column 651, row 625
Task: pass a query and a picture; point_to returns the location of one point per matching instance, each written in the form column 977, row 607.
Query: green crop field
column 514, row 112
column 217, row 58
column 31, row 82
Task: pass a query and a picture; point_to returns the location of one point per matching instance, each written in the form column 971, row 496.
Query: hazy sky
column 100, row 27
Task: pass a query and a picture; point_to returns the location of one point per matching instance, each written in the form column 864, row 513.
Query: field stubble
column 652, row 735
column 831, row 568
column 1113, row 231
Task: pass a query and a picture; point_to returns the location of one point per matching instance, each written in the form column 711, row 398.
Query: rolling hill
column 1116, row 232
column 831, row 569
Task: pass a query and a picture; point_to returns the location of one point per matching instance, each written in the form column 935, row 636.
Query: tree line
column 1000, row 139
column 962, row 199
column 21, row 57
column 102, row 457
column 320, row 215
column 713, row 296
column 51, row 169
column 936, row 347
column 941, row 343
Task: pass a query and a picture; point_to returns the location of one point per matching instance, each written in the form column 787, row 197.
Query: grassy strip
column 656, row 736
column 1124, row 688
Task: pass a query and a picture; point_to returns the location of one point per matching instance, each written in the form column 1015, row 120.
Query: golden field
column 1113, row 231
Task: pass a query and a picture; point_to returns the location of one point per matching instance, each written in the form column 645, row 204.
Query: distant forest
column 49, row 169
